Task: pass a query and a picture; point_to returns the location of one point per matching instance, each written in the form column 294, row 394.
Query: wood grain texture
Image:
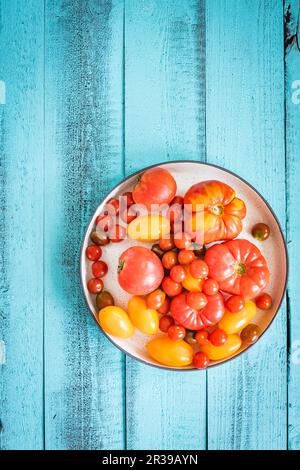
column 21, row 229
column 164, row 120
column 245, row 133
column 292, row 87
column 83, row 371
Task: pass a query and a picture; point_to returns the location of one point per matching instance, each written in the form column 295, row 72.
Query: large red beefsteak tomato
column 219, row 212
column 140, row 270
column 155, row 186
column 239, row 268
column 197, row 319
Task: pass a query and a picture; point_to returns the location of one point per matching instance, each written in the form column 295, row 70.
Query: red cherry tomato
column 156, row 299
column 140, row 271
column 202, row 337
column 261, row 232
column 177, row 200
column 218, row 337
column 169, row 259
column 93, row 252
column 155, row 186
column 210, row 287
column 128, row 215
column 117, row 233
column 182, row 240
column 200, row 360
column 99, row 268
column 165, row 322
column 235, row 303
column 166, row 244
column 170, row 287
column 178, row 273
column 95, row 285
column 165, row 308
column 186, row 256
column 196, row 300
column 104, row 222
column 129, row 198
column 199, row 269
column 176, row 332
column 112, row 207
column 264, row 302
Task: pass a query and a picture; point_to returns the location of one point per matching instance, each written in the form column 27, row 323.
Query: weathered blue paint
column 90, row 91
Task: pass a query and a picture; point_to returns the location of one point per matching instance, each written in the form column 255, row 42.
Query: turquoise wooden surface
column 95, row 89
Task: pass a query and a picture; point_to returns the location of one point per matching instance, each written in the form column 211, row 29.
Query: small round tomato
column 166, row 244
column 218, row 337
column 104, row 222
column 186, row 256
column 169, row 259
column 104, row 299
column 177, row 274
column 177, row 200
column 261, row 231
column 202, row 337
column 117, row 233
column 196, row 300
column 93, row 252
column 176, row 332
column 210, row 287
column 157, row 250
column 235, row 303
column 199, row 269
column 156, row 299
column 129, row 198
column 95, row 285
column 165, row 322
column 182, row 240
column 250, row 333
column 190, row 337
column 128, row 215
column 170, row 287
column 112, row 207
column 200, row 360
column 99, row 237
column 264, row 302
column 165, row 308
column 99, row 268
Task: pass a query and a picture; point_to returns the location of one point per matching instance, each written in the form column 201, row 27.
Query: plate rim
column 136, row 173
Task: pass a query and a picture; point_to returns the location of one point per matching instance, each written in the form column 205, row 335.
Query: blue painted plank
column 83, row 371
column 164, row 120
column 21, row 229
column 292, row 83
column 247, row 400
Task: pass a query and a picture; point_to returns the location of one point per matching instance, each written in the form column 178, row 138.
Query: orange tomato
column 170, row 353
column 115, row 321
column 216, row 353
column 235, row 322
column 144, row 319
column 190, row 283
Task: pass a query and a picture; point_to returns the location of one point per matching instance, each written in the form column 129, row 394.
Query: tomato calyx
column 240, row 268
column 120, row 265
column 217, row 209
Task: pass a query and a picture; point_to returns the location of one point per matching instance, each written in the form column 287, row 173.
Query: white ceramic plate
column 187, row 173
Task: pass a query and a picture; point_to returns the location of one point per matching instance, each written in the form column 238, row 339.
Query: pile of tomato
column 201, row 299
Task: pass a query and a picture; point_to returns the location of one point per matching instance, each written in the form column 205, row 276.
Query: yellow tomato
column 216, row 353
column 190, row 283
column 115, row 321
column 170, row 353
column 235, row 322
column 143, row 318
column 149, row 228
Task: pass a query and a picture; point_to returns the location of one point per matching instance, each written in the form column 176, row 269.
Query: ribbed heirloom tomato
column 222, row 211
column 155, row 186
column 140, row 271
column 239, row 268
column 193, row 319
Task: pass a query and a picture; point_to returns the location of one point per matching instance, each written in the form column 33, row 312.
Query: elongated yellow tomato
column 190, row 283
column 235, row 322
column 115, row 321
column 149, row 228
column 216, row 353
column 144, row 319
column 170, row 353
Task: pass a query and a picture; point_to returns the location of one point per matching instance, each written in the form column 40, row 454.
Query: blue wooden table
column 90, row 91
